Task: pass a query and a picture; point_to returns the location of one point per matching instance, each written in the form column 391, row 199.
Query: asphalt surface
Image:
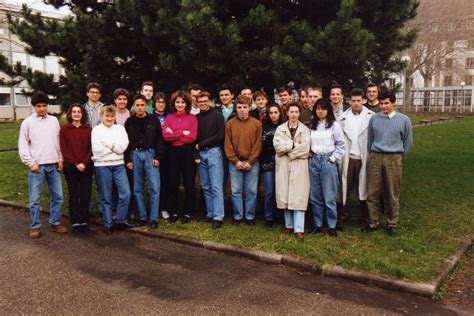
column 129, row 274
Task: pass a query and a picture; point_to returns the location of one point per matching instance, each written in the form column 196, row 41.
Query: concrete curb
column 7, row 149
column 427, row 289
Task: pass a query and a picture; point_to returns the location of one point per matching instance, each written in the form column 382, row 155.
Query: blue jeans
column 211, row 173
column 49, row 174
column 295, row 220
column 323, row 176
column 269, row 186
column 143, row 167
column 240, row 181
column 106, row 176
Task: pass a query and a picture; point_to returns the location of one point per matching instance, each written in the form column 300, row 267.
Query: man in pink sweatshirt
column 38, row 146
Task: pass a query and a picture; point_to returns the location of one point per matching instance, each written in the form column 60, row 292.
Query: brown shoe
column 288, row 231
column 35, row 233
column 60, row 228
column 299, row 236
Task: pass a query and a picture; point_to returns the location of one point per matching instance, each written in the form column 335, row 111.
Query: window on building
column 391, row 82
column 36, row 63
column 448, row 80
column 468, row 80
column 21, row 99
column 470, row 44
column 470, row 63
column 52, row 65
column 20, row 57
column 5, row 99
column 448, row 63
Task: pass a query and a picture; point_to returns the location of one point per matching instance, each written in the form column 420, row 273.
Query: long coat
column 362, row 139
column 291, row 168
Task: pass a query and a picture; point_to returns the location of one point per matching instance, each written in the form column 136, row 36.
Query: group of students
column 309, row 153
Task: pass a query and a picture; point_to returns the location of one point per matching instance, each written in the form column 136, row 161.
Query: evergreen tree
column 262, row 44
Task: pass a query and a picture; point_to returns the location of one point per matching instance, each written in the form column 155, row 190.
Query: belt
column 141, row 149
column 210, row 147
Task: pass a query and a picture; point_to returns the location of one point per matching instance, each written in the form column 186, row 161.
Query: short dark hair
column 226, row 86
column 203, row 94
column 159, row 95
column 146, row 83
column 356, row 92
column 92, row 85
column 83, row 111
column 120, row 91
column 371, row 85
column 260, row 93
column 39, row 97
column 294, row 104
column 139, row 96
column 185, row 96
column 303, row 88
column 194, row 86
column 285, row 88
column 336, row 85
column 267, row 114
column 243, row 99
column 387, row 94
column 330, row 118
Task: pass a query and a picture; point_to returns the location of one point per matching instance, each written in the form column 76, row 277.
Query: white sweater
column 108, row 145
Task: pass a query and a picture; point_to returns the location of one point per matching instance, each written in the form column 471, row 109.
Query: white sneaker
column 165, row 214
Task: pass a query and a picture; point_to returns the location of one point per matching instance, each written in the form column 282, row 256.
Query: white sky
column 39, row 5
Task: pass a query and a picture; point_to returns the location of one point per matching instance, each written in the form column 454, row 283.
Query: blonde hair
column 108, row 108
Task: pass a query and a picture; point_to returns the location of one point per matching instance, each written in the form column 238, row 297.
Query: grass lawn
column 436, row 213
column 9, row 135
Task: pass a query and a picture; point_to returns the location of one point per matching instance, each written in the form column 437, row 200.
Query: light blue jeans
column 323, row 176
column 106, row 176
column 211, row 173
column 269, row 186
column 295, row 220
column 143, row 167
column 241, row 181
column 49, row 174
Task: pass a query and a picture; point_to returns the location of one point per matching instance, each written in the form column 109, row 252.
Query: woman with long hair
column 274, row 117
column 180, row 130
column 75, row 140
column 327, row 145
column 291, row 143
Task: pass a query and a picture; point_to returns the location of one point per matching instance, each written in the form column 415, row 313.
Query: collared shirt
column 227, row 111
column 339, row 111
column 195, row 111
column 353, row 125
column 93, row 116
column 390, row 115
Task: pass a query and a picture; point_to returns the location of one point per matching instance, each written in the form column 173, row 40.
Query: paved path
column 129, row 274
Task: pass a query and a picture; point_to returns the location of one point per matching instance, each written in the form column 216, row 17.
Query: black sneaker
column 269, row 224
column 141, row 223
column 76, row 229
column 250, row 222
column 108, row 230
column 173, row 218
column 186, row 219
column 153, row 224
column 236, row 221
column 85, row 229
column 316, row 230
column 369, row 228
column 332, row 232
column 392, row 230
column 205, row 220
column 216, row 224
column 124, row 225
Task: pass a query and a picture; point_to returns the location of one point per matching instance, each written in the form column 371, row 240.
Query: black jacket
column 144, row 133
column 267, row 156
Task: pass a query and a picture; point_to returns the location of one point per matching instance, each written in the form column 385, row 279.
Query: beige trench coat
column 362, row 139
column 291, row 168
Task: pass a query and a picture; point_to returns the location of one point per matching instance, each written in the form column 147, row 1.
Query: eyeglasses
column 203, row 101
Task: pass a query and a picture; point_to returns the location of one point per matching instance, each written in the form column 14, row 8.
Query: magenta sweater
column 179, row 122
